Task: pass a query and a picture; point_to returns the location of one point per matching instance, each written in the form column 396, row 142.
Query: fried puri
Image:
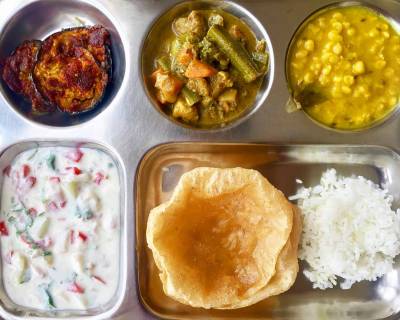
column 222, row 238
column 17, row 73
column 72, row 68
column 287, row 265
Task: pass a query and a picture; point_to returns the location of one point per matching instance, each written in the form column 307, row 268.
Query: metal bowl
column 292, row 105
column 8, row 308
column 164, row 22
column 38, row 20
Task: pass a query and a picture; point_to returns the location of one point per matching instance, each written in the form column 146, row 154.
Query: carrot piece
column 198, row 69
column 3, row 228
column 76, row 288
column 83, row 236
column 185, row 56
column 26, row 170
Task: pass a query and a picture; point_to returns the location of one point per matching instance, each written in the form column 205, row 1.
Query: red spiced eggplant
column 73, row 68
column 70, row 70
column 17, row 74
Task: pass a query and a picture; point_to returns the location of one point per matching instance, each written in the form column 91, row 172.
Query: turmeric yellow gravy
column 344, row 68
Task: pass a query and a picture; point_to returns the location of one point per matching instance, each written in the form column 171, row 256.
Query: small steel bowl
column 165, row 20
column 37, row 20
column 292, row 105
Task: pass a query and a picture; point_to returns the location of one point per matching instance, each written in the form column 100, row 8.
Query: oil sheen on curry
column 344, row 68
column 208, row 68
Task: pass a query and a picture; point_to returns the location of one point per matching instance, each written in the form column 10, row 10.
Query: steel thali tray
column 130, row 126
column 160, row 170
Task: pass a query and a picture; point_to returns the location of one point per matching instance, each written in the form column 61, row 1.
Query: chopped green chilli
column 48, row 298
column 51, row 161
column 85, row 214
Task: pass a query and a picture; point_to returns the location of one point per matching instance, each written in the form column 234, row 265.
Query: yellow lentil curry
column 344, row 68
column 209, row 67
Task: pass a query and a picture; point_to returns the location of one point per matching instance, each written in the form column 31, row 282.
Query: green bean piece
column 164, row 63
column 240, row 59
column 261, row 57
column 191, row 97
column 175, row 47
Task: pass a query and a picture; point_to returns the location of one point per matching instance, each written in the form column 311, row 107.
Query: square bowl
column 8, row 308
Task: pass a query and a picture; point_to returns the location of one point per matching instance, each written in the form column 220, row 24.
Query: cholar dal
column 344, row 67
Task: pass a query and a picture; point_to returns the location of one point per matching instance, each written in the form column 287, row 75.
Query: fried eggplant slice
column 71, row 79
column 95, row 39
column 17, row 74
column 99, row 45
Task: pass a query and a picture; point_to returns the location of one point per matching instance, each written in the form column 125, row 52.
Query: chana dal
column 344, row 68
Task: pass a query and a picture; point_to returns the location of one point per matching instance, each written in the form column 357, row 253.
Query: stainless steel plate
column 161, row 169
column 130, row 125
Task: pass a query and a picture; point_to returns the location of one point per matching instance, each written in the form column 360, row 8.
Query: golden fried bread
column 217, row 240
column 287, row 265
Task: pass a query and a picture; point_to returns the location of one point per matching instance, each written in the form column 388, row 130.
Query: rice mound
column 349, row 230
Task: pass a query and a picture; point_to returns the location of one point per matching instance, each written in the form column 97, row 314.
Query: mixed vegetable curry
column 208, row 69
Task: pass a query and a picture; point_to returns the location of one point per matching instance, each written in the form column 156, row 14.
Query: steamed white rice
column 349, row 231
